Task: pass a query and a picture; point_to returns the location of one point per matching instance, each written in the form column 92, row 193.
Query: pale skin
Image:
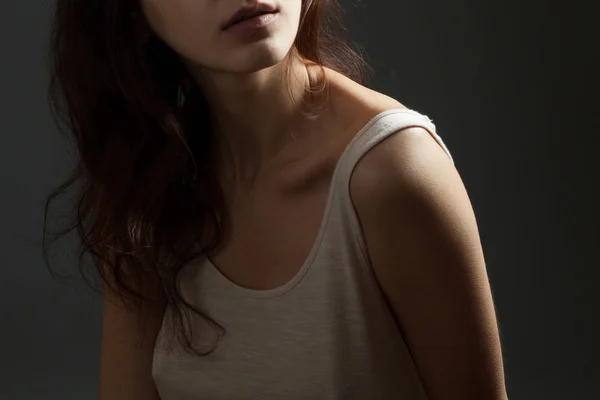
column 422, row 238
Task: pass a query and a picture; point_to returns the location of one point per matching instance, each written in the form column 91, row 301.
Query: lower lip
column 253, row 24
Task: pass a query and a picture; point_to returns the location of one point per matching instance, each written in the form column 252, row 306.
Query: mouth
column 245, row 14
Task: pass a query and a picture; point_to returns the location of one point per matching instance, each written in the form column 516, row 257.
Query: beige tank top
column 327, row 333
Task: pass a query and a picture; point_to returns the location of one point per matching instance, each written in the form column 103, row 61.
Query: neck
column 256, row 122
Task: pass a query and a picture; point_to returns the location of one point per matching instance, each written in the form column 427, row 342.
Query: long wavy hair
column 146, row 196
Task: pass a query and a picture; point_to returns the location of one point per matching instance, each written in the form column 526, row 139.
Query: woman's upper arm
column 127, row 348
column 424, row 247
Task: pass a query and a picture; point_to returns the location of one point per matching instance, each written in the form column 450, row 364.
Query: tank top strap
column 380, row 127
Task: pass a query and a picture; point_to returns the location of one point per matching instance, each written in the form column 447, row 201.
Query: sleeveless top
column 328, row 333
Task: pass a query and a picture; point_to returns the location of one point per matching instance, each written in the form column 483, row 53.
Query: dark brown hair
column 144, row 187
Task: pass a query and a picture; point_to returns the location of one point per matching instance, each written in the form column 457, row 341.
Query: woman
column 298, row 234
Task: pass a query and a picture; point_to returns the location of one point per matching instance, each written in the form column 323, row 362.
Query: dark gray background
column 513, row 92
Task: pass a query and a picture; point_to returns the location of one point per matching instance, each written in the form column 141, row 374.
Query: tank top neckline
column 235, row 289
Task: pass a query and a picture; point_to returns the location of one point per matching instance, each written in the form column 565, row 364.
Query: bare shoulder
column 399, row 158
column 358, row 101
column 355, row 104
